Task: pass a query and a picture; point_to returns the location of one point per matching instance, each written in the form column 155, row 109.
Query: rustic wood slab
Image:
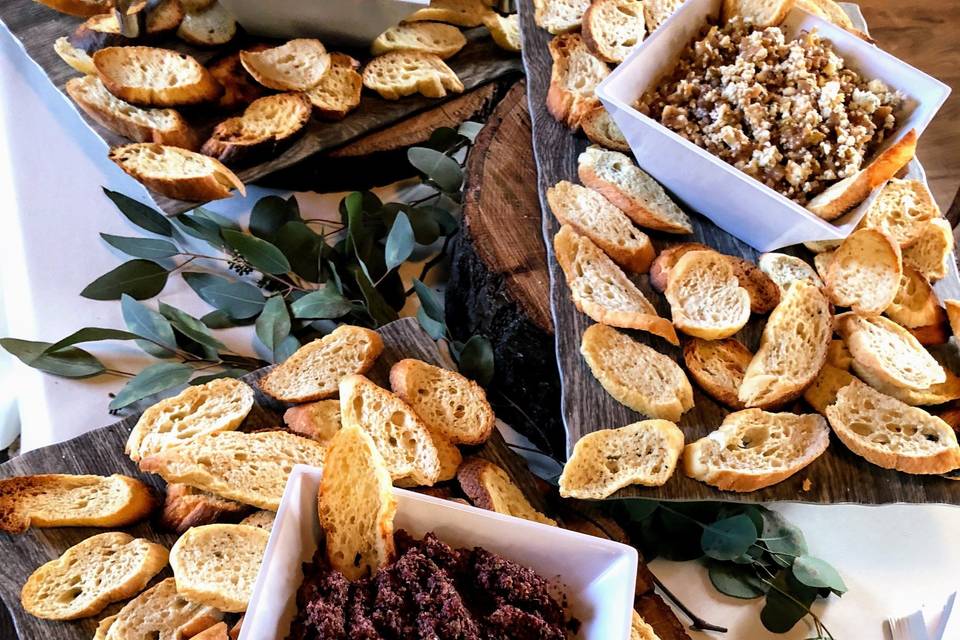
column 101, row 452
column 37, row 27
column 837, row 476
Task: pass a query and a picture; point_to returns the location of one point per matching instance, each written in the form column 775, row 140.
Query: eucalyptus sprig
column 749, row 551
column 293, row 278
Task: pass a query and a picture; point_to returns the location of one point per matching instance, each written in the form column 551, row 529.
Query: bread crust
column 598, row 132
column 489, row 487
column 718, row 367
column 232, row 143
column 79, row 8
column 185, row 507
column 103, row 30
column 215, row 185
column 666, row 259
column 564, row 105
column 343, row 69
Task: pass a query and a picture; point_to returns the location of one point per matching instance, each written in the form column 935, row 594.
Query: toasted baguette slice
column 792, row 349
column 79, row 8
column 559, row 16
column 656, row 12
column 820, row 246
column 489, row 487
column 442, row 40
column 505, row 30
column 667, row 258
column 400, row 435
column 219, row 405
column 338, row 92
column 829, row 11
column 590, row 214
column 636, row 375
column 785, row 270
column 612, row 28
column 823, row 392
column 104, row 568
column 164, row 126
column 763, row 291
column 931, row 334
column 624, row 184
column 186, row 507
column 251, row 468
column 239, row 87
column 61, row 500
column 209, row 27
column 448, row 454
column 864, row 273
column 821, row 263
column 217, row 564
column 705, row 296
column 718, row 367
column 953, row 315
column 76, row 58
column 900, row 210
column 314, row 371
column 356, row 505
column 160, row 613
column 402, row 73
column 219, row 631
column 602, row 291
column 600, row 129
column 891, row 434
column 916, row 303
column 262, row 519
column 177, row 173
column 447, row 402
column 760, row 13
column 103, row 627
column 155, row 77
column 607, row 460
column 640, row 630
column 575, row 74
column 935, row 394
column 888, row 352
column 266, row 126
column 296, row 65
column 839, row 355
column 463, row 13
column 318, row 421
column 754, row 449
column 930, row 252
column 849, row 192
column 103, row 30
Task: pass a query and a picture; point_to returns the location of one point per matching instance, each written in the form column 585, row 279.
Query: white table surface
column 895, row 559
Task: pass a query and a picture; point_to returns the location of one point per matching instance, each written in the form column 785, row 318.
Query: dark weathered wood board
column 37, row 27
column 837, row 476
column 101, row 452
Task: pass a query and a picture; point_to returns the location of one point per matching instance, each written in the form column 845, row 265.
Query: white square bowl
column 737, row 203
column 598, row 576
column 354, row 22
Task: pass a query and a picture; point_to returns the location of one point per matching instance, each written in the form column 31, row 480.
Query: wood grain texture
column 101, row 452
column 837, row 476
column 37, row 27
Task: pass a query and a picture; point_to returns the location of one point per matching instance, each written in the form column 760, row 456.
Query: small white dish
column 598, row 576
column 737, row 203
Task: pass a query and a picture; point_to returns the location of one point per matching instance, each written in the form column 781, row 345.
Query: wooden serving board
column 837, row 476
column 101, row 452
column 36, row 27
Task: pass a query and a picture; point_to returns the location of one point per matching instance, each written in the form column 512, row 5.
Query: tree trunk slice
column 499, row 285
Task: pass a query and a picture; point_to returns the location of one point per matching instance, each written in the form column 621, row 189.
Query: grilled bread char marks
column 706, row 299
column 601, row 290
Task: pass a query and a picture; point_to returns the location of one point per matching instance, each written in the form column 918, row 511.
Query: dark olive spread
column 430, row 592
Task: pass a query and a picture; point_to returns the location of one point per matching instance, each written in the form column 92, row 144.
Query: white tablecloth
column 894, row 559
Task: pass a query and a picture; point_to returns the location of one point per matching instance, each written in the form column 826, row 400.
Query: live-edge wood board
column 838, row 476
column 36, row 27
column 101, row 452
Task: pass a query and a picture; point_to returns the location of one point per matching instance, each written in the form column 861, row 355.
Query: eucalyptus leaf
column 237, row 299
column 324, row 303
column 190, row 327
column 91, row 334
column 476, row 360
column 149, row 324
column 425, row 227
column 286, row 348
column 148, row 248
column 269, row 214
column 447, row 224
column 302, row 247
column 728, row 538
column 226, row 373
column 381, row 312
column 444, row 138
column 140, row 214
column 786, row 604
column 677, row 538
column 201, row 228
column 784, row 540
column 737, row 581
column 400, row 242
column 470, row 129
column 429, row 301
column 261, row 255
column 273, row 323
column 152, row 380
column 70, row 362
column 638, row 509
column 434, row 329
column 440, row 168
column 217, row 319
column 816, row 573
column 138, row 278
column 221, row 221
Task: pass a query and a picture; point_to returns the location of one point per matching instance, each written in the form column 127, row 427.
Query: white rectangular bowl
column 598, row 576
column 354, row 22
column 735, row 202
